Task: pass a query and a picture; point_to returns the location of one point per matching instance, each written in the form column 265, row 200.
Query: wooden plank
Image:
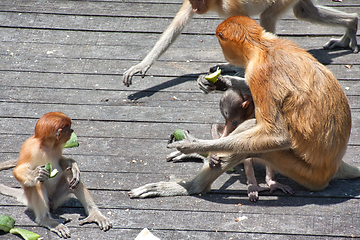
column 117, row 9
column 205, row 52
column 127, row 24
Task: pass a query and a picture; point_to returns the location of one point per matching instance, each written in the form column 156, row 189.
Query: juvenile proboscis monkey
column 40, row 192
column 302, row 117
column 269, row 11
column 236, row 108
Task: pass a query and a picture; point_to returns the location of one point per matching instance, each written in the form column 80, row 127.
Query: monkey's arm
column 28, row 177
column 248, row 137
column 181, row 19
column 68, row 164
column 223, row 83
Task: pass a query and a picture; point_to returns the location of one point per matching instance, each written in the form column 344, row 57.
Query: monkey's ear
column 58, row 134
column 245, row 104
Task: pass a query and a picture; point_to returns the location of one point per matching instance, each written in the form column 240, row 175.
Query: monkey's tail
column 8, row 164
column 17, row 193
column 346, row 171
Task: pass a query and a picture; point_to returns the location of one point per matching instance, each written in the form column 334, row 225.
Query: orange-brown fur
column 52, row 131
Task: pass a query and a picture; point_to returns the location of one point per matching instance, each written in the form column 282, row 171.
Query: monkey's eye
column 221, row 35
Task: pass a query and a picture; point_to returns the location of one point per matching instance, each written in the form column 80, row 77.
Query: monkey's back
column 308, row 99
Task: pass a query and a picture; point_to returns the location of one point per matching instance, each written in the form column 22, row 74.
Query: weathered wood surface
column 69, row 56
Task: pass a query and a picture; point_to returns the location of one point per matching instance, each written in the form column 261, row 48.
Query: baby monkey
column 39, row 191
column 236, row 107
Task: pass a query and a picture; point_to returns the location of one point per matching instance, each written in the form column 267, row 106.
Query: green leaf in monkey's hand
column 53, row 172
column 73, row 141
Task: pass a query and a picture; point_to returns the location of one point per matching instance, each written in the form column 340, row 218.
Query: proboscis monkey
column 40, row 192
column 302, row 117
column 269, row 11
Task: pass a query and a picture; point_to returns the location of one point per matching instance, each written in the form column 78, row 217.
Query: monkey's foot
column 96, row 217
column 344, row 42
column 61, row 230
column 177, row 156
column 160, row 189
column 253, row 192
column 274, row 185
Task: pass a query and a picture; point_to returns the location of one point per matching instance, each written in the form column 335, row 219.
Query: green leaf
column 73, row 141
column 25, row 234
column 6, row 223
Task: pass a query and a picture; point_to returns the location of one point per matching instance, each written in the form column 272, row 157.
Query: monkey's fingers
column 343, row 42
column 42, row 174
column 285, row 188
column 62, row 231
column 128, row 74
column 205, row 85
column 172, row 155
column 253, row 192
column 213, row 160
column 171, row 138
column 74, row 183
column 96, row 217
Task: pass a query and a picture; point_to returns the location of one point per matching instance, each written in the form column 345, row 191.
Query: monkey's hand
column 128, row 74
column 42, row 174
column 75, row 173
column 207, row 86
column 96, row 217
column 183, row 145
column 213, row 160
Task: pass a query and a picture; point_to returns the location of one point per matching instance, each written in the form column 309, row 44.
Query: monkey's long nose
column 227, row 129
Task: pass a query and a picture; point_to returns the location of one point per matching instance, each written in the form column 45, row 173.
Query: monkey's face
column 199, row 6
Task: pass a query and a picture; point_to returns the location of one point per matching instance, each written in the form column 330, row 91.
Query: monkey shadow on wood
column 338, row 191
column 164, row 85
column 326, row 56
column 71, row 206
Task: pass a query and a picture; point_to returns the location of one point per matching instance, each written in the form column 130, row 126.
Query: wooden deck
column 69, row 56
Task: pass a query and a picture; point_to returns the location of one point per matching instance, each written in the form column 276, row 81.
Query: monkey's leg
column 253, row 188
column 39, row 203
column 181, row 19
column 8, row 164
column 200, row 184
column 94, row 215
column 269, row 17
column 274, row 185
column 305, row 10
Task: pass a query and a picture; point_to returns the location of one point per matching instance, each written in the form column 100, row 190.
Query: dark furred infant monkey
column 236, row 108
column 302, row 116
column 39, row 192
